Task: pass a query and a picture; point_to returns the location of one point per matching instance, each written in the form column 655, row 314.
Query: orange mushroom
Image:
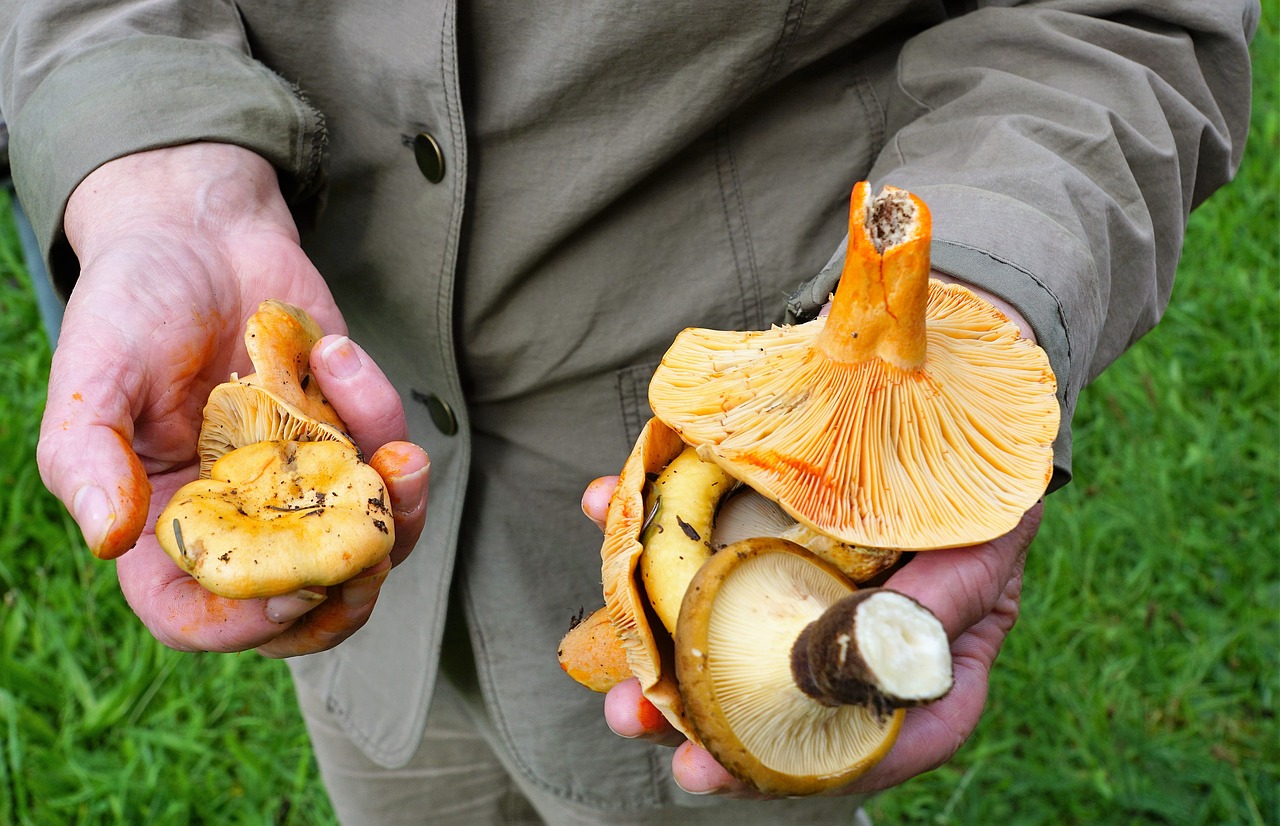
column 914, row 416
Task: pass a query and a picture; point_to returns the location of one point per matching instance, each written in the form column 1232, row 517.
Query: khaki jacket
column 604, row 178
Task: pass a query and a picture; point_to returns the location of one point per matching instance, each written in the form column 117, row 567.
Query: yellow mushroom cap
column 277, row 516
column 284, row 498
column 914, row 416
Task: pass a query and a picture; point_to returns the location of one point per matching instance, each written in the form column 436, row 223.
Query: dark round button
column 429, row 157
column 441, row 415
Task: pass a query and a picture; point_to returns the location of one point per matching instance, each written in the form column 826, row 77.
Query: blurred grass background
column 1140, row 686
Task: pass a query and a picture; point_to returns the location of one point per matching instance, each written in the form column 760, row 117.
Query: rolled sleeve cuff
column 149, row 92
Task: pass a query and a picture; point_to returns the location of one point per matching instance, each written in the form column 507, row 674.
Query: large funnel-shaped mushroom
column 914, row 416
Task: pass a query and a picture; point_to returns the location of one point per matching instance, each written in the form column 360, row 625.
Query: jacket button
column 429, row 157
column 442, row 415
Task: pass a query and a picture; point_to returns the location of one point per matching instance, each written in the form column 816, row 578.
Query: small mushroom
column 278, row 401
column 794, row 679
column 649, row 654
column 591, row 654
column 285, row 500
column 277, row 516
column 915, row 416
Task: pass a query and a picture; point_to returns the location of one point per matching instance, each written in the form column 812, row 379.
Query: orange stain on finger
column 397, row 459
column 650, row 719
column 132, row 497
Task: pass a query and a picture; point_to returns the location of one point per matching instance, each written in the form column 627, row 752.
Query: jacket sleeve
column 1060, row 147
column 88, row 81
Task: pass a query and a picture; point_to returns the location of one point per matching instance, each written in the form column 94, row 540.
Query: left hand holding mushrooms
column 974, row 592
column 290, row 625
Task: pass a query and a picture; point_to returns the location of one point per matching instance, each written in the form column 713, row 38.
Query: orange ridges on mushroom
column 913, row 417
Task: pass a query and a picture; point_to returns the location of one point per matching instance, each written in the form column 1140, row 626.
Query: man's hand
column 177, row 248
column 974, row 592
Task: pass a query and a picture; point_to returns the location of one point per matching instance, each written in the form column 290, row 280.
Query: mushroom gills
column 749, row 697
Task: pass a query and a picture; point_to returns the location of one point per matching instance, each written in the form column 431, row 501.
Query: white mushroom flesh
column 904, row 646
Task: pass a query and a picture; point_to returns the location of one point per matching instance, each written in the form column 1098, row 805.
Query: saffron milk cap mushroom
column 285, row 500
column 914, row 416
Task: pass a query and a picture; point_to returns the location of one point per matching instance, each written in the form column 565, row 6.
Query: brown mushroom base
column 876, row 648
column 750, row 607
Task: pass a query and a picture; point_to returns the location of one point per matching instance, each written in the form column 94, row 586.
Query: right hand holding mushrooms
column 915, row 416
column 177, row 248
column 974, row 591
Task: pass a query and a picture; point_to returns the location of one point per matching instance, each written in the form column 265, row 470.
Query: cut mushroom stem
column 735, row 659
column 876, row 648
column 878, row 311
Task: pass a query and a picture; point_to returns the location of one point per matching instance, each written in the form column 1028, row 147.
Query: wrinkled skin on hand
column 177, row 248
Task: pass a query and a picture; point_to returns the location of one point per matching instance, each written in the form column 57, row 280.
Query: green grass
column 1140, row 686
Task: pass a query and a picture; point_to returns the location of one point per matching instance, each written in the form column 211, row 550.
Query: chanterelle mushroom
column 276, row 402
column 277, row 516
column 285, row 500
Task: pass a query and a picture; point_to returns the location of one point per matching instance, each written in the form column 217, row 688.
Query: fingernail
column 358, row 593
column 407, row 491
column 93, row 513
column 289, row 607
column 341, row 358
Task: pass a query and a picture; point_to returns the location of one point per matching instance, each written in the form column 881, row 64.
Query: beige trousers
column 457, row 777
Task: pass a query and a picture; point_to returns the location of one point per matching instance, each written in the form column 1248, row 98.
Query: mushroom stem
column 875, row 648
column 878, row 311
